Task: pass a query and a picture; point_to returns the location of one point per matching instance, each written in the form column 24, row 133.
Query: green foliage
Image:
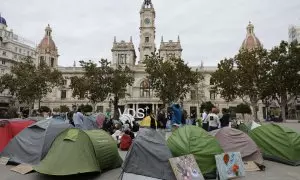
column 121, row 77
column 170, row 79
column 64, row 109
column 224, row 80
column 29, row 82
column 283, row 79
column 243, row 109
column 247, row 80
column 206, row 106
column 94, row 85
column 56, row 109
column 12, row 112
column 86, row 108
column 44, row 109
column 100, row 81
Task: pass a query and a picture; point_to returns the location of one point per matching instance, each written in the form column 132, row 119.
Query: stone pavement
column 274, row 171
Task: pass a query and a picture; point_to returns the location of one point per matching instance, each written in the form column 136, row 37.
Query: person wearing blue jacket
column 176, row 115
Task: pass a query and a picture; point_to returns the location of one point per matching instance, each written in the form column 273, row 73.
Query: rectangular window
column 41, row 59
column 16, row 49
column 2, row 71
column 122, row 58
column 100, row 109
column 146, row 39
column 20, row 50
column 193, row 95
column 64, row 82
column 4, row 53
column 63, row 94
column 52, row 62
column 213, row 95
column 3, row 61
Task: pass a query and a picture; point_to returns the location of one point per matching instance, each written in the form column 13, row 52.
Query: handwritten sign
column 22, row 169
column 4, row 160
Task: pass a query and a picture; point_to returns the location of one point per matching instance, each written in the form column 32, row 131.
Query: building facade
column 124, row 53
column 13, row 48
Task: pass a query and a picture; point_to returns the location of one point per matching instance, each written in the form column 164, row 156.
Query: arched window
column 145, row 89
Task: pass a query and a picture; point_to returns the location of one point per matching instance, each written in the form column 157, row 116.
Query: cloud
column 209, row 30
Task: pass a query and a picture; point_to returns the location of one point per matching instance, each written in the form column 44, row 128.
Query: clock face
column 147, row 21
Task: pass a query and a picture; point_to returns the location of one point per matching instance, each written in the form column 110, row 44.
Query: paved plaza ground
column 274, row 171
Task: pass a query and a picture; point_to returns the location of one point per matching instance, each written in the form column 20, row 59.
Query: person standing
column 176, row 115
column 205, row 124
column 193, row 118
column 78, row 119
column 213, row 120
column 225, row 119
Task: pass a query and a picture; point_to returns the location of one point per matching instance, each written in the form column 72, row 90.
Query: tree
column 247, row 80
column 243, row 109
column 86, row 108
column 64, row 109
column 30, row 82
column 171, row 79
column 224, row 80
column 94, row 84
column 206, row 106
column 284, row 80
column 120, row 78
column 253, row 67
column 44, row 109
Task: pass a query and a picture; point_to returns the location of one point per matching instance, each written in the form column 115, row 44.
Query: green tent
column 243, row 127
column 278, row 143
column 75, row 151
column 196, row 141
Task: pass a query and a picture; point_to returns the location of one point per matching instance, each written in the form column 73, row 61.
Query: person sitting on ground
column 126, row 140
column 117, row 132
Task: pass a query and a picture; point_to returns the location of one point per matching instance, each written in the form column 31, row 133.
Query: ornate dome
column 2, row 21
column 251, row 41
column 47, row 42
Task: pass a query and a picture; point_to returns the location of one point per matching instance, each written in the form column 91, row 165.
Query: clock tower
column 147, row 30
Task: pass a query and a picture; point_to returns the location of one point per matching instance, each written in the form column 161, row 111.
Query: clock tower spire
column 147, row 30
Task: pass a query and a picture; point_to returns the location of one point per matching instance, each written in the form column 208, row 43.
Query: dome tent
column 10, row 128
column 234, row 140
column 277, row 143
column 76, row 151
column 148, row 157
column 194, row 140
column 32, row 144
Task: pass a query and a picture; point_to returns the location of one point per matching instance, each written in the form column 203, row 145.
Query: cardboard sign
column 22, row 169
column 186, row 167
column 4, row 160
column 230, row 165
column 250, row 166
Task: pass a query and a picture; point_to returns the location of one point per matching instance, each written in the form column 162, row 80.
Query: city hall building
column 13, row 48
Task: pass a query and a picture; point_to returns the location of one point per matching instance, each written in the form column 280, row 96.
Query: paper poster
column 4, row 160
column 230, row 165
column 22, row 169
column 186, row 168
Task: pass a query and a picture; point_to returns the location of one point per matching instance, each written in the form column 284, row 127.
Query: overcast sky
column 209, row 29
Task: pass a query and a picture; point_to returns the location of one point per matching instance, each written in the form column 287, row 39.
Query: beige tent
column 234, row 140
